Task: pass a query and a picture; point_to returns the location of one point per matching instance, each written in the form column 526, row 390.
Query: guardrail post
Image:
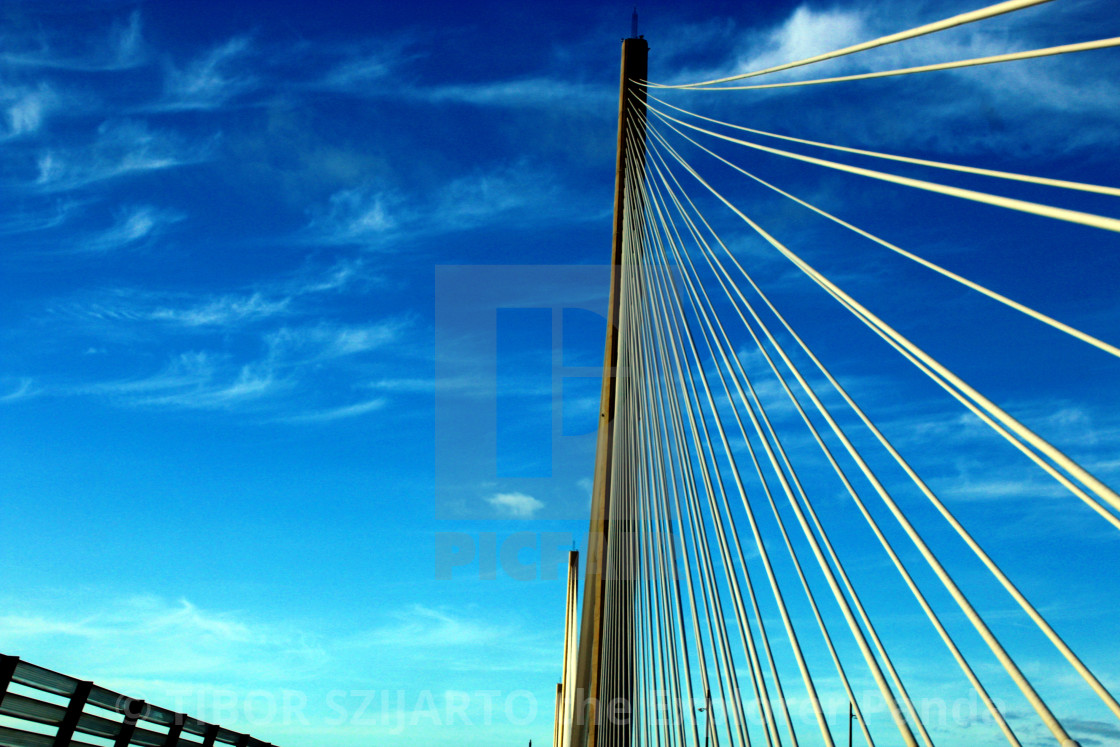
column 133, row 709
column 210, row 736
column 74, row 710
column 175, row 730
column 8, row 666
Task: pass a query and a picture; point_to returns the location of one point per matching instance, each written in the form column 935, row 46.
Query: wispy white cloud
column 126, row 42
column 422, row 627
column 133, row 226
column 171, row 641
column 361, row 215
column 43, row 218
column 24, row 389
column 965, row 462
column 368, row 70
column 288, row 378
column 260, row 352
column 198, row 380
column 27, row 107
column 337, row 277
column 979, row 486
column 372, row 217
column 525, row 93
column 119, row 148
column 324, row 342
column 806, row 32
column 381, row 73
column 515, row 505
column 223, row 311
column 26, row 114
column 456, row 639
column 120, row 48
column 192, row 312
column 203, row 312
column 212, row 79
column 357, row 75
column 343, row 412
column 475, row 198
column 403, row 385
column 1065, row 423
column 466, row 383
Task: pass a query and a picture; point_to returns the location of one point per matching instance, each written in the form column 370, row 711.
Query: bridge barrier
column 171, row 729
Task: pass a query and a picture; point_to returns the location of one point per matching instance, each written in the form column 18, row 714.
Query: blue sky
column 300, row 314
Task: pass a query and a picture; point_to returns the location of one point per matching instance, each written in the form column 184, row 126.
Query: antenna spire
column 634, row 24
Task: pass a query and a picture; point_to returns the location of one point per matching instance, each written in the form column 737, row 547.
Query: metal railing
column 71, row 721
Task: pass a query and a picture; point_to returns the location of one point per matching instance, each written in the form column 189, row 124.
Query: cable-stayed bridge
column 741, row 485
column 856, row 450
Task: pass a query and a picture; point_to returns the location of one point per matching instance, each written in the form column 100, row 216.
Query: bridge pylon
column 602, row 703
